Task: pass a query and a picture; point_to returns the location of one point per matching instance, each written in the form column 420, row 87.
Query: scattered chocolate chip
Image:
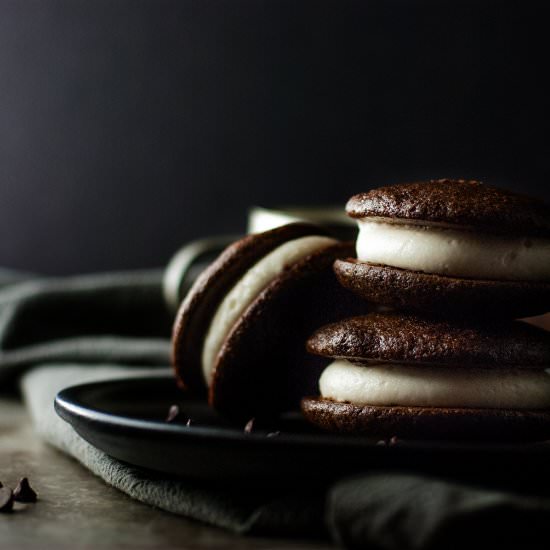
column 172, row 413
column 249, row 426
column 1, row 485
column 188, row 423
column 273, row 434
column 24, row 492
column 6, row 499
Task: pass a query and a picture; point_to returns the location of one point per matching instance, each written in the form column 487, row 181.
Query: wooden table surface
column 77, row 510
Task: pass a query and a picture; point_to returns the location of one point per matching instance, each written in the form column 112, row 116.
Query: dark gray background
column 130, row 126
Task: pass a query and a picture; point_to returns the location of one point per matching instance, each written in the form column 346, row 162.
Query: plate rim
column 71, row 411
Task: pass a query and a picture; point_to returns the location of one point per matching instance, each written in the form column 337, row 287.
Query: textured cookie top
column 412, row 339
column 465, row 203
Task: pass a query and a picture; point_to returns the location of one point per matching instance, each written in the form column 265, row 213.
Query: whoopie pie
column 239, row 334
column 450, row 247
column 403, row 375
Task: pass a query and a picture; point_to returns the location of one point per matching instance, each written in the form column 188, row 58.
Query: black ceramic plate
column 126, row 419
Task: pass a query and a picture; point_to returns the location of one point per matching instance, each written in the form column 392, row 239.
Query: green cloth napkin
column 112, row 317
column 77, row 329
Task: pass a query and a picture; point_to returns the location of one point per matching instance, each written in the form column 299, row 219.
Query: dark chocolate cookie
column 263, row 367
column 456, row 203
column 427, row 422
column 403, row 338
column 454, row 296
column 200, row 304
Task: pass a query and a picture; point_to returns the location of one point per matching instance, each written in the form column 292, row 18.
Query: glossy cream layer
column 406, row 385
column 446, row 251
column 248, row 288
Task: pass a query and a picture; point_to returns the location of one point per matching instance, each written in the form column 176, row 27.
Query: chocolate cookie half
column 450, row 245
column 414, row 377
column 428, row 423
column 239, row 333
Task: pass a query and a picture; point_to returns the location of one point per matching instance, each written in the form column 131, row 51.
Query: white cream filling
column 447, row 251
column 411, row 386
column 248, row 288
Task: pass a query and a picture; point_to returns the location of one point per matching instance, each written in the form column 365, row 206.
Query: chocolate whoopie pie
column 239, row 334
column 413, row 377
column 451, row 246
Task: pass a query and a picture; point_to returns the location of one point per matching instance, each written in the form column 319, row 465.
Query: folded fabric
column 407, row 511
column 113, row 317
column 95, row 327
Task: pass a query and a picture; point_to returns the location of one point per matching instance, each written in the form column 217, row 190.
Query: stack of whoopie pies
column 455, row 262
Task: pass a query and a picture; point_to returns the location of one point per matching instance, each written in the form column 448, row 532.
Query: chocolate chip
column 1, row 485
column 24, row 492
column 6, row 499
column 172, row 413
column 249, row 426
